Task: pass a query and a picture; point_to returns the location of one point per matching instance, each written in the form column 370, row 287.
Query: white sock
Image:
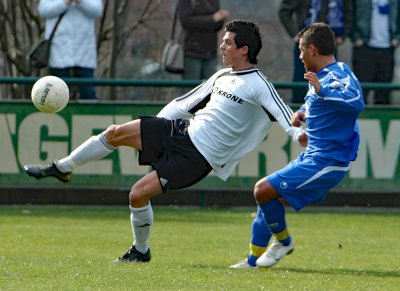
column 141, row 220
column 92, row 149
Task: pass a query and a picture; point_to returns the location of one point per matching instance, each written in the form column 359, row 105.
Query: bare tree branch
column 22, row 27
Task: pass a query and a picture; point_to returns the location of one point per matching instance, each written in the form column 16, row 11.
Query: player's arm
column 181, row 107
column 298, row 135
column 186, row 105
column 282, row 113
column 340, row 92
column 297, row 120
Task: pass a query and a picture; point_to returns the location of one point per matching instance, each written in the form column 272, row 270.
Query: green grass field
column 72, row 248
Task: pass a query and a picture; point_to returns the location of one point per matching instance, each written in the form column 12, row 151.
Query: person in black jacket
column 297, row 14
column 201, row 21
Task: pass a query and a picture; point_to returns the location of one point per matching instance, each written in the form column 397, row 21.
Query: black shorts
column 167, row 147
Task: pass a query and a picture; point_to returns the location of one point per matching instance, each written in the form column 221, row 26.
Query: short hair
column 319, row 35
column 247, row 34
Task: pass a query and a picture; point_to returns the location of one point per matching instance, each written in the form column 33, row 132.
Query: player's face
column 306, row 55
column 231, row 54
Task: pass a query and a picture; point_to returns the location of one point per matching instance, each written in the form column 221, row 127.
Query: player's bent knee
column 136, row 200
column 110, row 134
column 110, row 131
column 264, row 192
column 139, row 197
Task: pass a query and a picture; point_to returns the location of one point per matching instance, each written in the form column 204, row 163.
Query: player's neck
column 324, row 62
column 244, row 66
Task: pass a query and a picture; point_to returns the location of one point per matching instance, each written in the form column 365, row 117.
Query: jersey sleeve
column 274, row 106
column 343, row 92
column 181, row 107
column 186, row 105
column 280, row 111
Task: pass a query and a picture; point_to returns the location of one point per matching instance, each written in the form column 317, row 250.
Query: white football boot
column 242, row 265
column 275, row 252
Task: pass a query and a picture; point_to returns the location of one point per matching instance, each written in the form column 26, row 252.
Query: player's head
column 321, row 36
column 246, row 34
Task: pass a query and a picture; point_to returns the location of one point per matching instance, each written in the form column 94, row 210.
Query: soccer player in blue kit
column 332, row 105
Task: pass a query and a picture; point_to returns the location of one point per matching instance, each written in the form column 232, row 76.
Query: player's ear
column 313, row 49
column 245, row 50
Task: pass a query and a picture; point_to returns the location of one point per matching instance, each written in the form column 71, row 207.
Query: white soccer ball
column 50, row 94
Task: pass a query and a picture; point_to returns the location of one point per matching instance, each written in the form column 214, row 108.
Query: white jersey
column 230, row 115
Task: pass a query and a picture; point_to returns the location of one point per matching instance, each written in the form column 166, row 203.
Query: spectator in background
column 376, row 34
column 201, row 21
column 73, row 48
column 296, row 14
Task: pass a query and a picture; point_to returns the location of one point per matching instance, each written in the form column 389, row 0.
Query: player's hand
column 298, row 118
column 312, row 78
column 221, row 15
column 303, row 139
column 298, row 135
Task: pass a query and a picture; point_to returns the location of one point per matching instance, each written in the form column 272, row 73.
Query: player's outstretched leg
column 47, row 170
column 96, row 147
column 133, row 255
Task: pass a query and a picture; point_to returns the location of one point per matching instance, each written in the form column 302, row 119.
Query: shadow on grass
column 331, row 271
column 351, row 272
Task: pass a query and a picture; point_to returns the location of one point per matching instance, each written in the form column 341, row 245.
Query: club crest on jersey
column 227, row 95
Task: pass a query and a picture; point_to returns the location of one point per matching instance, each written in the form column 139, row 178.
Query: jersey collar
column 244, row 72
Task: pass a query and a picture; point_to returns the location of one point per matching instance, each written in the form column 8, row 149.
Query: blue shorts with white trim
column 307, row 179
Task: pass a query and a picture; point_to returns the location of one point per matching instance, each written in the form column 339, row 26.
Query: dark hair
column 319, row 35
column 247, row 34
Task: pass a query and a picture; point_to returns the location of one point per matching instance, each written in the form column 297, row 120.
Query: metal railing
column 173, row 83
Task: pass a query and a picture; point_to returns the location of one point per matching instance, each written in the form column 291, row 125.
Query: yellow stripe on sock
column 282, row 235
column 256, row 250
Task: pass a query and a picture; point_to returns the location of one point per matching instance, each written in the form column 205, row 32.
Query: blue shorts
column 307, row 179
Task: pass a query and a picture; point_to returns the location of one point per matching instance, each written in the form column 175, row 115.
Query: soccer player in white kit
column 332, row 105
column 209, row 128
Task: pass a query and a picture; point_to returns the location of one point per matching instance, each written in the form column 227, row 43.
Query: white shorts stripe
column 322, row 172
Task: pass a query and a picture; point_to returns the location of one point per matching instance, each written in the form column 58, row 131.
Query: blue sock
column 251, row 260
column 274, row 215
column 260, row 233
column 260, row 236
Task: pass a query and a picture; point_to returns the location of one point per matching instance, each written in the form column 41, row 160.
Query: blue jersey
column 331, row 114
